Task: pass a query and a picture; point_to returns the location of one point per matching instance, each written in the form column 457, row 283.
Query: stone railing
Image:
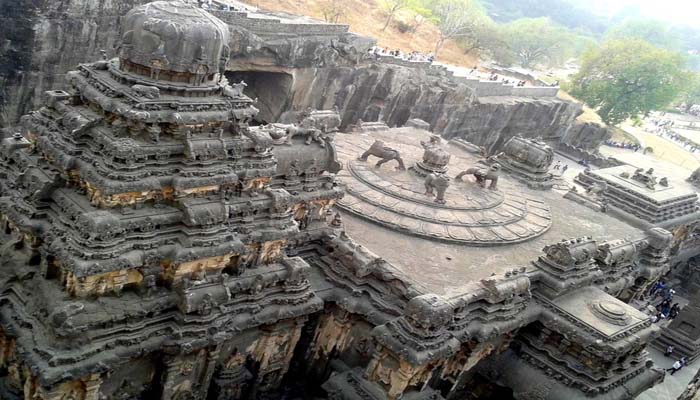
column 497, row 88
column 272, row 25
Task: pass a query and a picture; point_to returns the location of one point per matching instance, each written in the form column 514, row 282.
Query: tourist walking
column 677, row 366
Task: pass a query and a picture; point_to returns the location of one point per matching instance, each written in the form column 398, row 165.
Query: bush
column 404, row 27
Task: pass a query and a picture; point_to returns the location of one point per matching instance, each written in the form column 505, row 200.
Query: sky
column 681, row 12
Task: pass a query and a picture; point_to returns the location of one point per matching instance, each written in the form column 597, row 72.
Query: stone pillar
column 333, row 332
column 92, row 387
column 208, row 371
column 274, row 352
column 478, row 353
column 653, row 260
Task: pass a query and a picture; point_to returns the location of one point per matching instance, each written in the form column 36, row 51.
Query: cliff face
column 288, row 67
column 396, row 94
column 43, row 39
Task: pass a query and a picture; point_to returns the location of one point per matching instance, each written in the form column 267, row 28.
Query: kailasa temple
column 238, row 205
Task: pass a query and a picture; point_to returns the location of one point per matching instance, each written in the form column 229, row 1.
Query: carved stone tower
column 145, row 226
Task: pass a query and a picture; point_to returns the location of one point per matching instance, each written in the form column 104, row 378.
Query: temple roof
column 174, row 36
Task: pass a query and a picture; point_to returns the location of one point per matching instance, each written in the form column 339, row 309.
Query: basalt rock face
column 44, row 39
column 328, row 67
column 289, row 66
column 587, row 136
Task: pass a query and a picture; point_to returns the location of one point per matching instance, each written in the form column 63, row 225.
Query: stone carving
column 435, row 158
column 235, row 91
column 528, row 160
column 149, row 92
column 311, row 135
column 482, row 175
column 385, row 153
column 171, row 247
column 436, row 184
column 646, row 177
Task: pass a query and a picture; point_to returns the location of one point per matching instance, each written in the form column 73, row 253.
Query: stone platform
column 395, row 199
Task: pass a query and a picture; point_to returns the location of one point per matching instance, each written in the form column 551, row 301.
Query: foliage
column 626, row 78
column 333, row 10
column 655, row 32
column 457, row 19
column 391, row 7
column 532, row 41
column 690, row 94
column 562, row 12
column 420, row 15
column 488, row 39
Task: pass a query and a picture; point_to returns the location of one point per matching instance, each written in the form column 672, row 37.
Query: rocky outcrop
column 290, row 65
column 44, row 39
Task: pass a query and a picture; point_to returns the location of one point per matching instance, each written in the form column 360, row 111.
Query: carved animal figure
column 312, row 135
column 482, row 175
column 235, row 90
column 378, row 149
column 436, row 185
column 149, row 92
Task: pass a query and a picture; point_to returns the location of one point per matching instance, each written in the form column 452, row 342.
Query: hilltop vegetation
column 537, row 35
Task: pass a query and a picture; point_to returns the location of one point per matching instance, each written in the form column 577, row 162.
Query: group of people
column 665, row 309
column 210, row 5
column 559, row 167
column 665, row 128
column 494, row 77
column 377, row 51
column 623, row 145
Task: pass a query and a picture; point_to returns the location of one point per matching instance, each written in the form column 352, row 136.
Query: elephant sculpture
column 378, row 149
column 482, row 175
column 436, row 184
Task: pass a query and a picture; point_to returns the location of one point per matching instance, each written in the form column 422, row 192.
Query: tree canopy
column 457, row 19
column 628, row 77
column 536, row 40
column 655, row 32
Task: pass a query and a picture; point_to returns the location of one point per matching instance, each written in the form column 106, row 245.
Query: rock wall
column 395, row 94
column 288, row 68
column 43, row 39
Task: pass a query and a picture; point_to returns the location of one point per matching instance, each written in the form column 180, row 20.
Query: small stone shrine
column 435, row 158
column 528, row 160
column 641, row 196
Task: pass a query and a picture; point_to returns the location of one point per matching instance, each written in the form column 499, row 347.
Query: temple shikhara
column 171, row 231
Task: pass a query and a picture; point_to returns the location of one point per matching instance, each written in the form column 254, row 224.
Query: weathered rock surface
column 44, row 39
column 288, row 65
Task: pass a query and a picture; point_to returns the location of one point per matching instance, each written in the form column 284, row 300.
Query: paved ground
column 673, row 385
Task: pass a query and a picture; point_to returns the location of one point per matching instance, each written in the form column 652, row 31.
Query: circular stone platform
column 395, row 199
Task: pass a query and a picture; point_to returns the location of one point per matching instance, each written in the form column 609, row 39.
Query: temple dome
column 173, row 36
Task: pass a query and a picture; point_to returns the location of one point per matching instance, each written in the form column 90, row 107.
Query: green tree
column 534, row 41
column 655, row 32
column 626, row 78
column 457, row 19
column 391, row 7
column 487, row 39
column 690, row 95
column 420, row 15
column 333, row 10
